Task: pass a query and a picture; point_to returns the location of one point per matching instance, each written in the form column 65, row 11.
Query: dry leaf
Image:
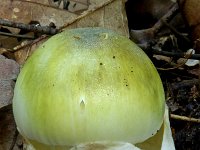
column 33, row 10
column 6, row 92
column 9, row 70
column 190, row 10
column 108, row 13
column 186, row 61
column 22, row 55
column 164, row 58
column 8, row 42
column 110, row 16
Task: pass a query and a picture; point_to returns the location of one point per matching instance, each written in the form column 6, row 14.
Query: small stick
column 184, row 118
column 30, row 43
column 166, row 18
column 179, row 55
column 29, row 27
column 17, row 35
column 146, row 35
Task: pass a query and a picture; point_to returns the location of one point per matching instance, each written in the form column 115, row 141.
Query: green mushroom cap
column 85, row 85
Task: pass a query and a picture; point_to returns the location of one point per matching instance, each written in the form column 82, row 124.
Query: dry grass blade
column 184, row 118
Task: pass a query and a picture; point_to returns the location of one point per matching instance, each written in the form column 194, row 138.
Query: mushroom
column 88, row 85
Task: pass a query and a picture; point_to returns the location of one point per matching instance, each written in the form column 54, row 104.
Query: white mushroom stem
column 167, row 142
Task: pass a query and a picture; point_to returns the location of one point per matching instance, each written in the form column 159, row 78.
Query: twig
column 90, row 11
column 173, row 54
column 174, row 67
column 146, row 35
column 184, row 118
column 30, row 43
column 17, row 35
column 166, row 18
column 186, row 56
column 28, row 27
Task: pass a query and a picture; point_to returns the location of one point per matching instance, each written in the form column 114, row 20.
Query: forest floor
column 179, row 77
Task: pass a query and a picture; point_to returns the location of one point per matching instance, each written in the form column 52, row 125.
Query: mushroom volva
column 86, row 85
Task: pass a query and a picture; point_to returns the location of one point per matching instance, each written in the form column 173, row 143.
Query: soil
column 183, row 99
column 181, row 83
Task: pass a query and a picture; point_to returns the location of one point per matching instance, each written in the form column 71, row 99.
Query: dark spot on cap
column 113, row 57
column 101, row 63
column 82, row 104
column 77, row 37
